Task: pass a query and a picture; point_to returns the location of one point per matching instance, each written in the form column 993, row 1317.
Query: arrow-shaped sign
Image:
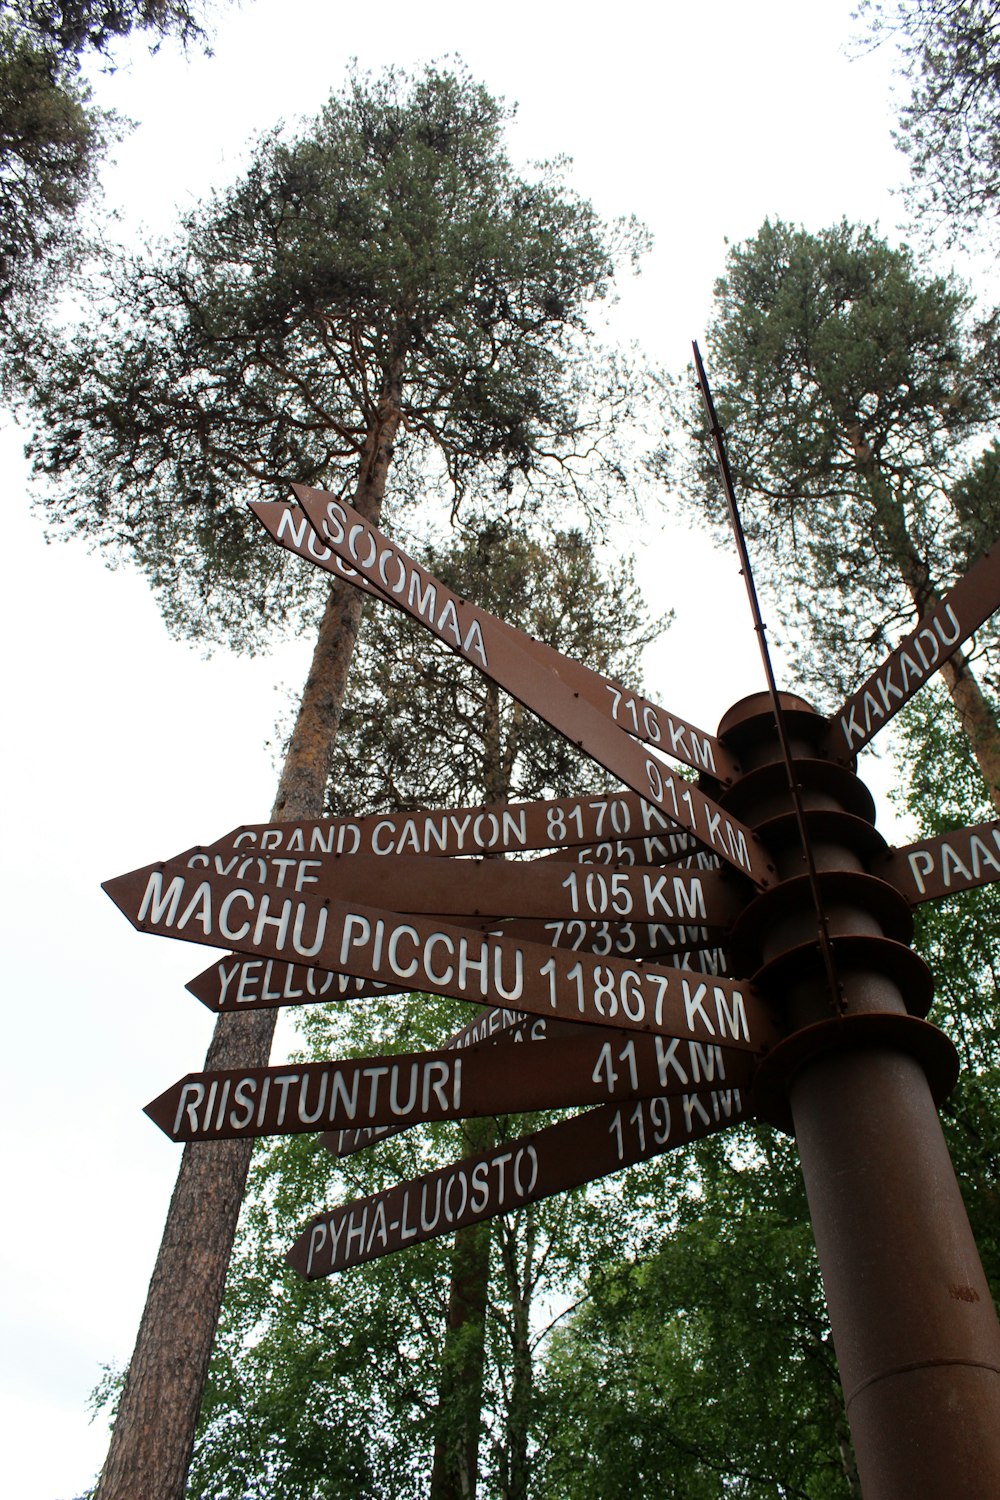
column 436, row 958
column 957, row 861
column 457, row 624
column 601, row 824
column 509, row 1176
column 416, row 1088
column 495, row 888
column 644, row 720
column 938, row 635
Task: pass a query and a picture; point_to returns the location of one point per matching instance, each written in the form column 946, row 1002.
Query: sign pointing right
column 938, row 635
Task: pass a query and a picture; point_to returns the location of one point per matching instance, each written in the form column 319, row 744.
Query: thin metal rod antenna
column 746, row 572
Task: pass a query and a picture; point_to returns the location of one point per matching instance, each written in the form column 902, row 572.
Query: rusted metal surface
column 562, row 1156
column 436, row 958
column 638, row 716
column 936, row 638
column 632, row 940
column 942, row 866
column 913, row 1322
column 910, row 1309
column 415, row 1088
column 492, row 1027
column 455, row 622
column 792, row 780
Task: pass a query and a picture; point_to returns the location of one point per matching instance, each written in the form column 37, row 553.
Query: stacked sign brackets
column 639, row 951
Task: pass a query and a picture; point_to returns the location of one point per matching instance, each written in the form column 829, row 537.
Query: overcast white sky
column 124, row 746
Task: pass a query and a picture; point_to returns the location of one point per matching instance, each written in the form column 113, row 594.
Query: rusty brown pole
column 913, row 1321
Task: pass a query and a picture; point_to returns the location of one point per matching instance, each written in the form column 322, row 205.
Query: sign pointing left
column 436, row 958
column 414, row 1088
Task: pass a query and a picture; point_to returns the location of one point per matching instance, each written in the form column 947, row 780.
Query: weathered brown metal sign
column 437, row 958
column 492, row 1027
column 290, row 528
column 632, row 940
column 600, row 823
column 510, row 1176
column 938, row 635
column 239, row 983
column 456, row 623
column 416, row 1088
column 941, row 866
column 495, row 888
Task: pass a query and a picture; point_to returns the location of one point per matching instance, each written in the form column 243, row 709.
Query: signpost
column 524, row 1171
column 411, row 588
column 939, row 633
column 454, row 1084
column 565, row 951
column 438, row 959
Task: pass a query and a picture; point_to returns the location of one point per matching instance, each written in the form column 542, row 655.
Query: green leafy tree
column 704, row 1367
column 849, row 388
column 382, row 293
column 447, row 1340
column 53, row 139
column 949, row 124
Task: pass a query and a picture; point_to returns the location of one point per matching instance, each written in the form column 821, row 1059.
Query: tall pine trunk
column 153, row 1435
column 455, row 1467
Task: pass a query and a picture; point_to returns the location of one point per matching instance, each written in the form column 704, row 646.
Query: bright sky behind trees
column 126, row 747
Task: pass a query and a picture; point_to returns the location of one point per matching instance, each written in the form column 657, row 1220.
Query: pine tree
column 416, row 721
column 849, row 388
column 382, row 293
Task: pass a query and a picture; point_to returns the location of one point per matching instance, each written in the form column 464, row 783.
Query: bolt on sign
column 644, row 956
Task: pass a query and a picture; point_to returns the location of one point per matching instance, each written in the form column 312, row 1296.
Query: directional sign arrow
column 415, row 1088
column 287, row 525
column 941, row 866
column 938, row 635
column 436, row 958
column 498, row 888
column 601, row 823
column 456, row 623
column 240, row 983
column 519, row 1172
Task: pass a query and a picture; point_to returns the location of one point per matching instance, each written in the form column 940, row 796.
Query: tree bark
column 455, row 1467
column 154, row 1431
column 522, row 1374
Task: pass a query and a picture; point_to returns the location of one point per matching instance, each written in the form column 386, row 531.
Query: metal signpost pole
column 913, row 1321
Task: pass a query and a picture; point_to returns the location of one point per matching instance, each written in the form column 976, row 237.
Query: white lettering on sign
column 430, row 1206
column 251, row 981
column 319, row 1097
column 896, row 682
column 283, row 923
column 406, row 580
column 959, row 862
column 644, row 719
